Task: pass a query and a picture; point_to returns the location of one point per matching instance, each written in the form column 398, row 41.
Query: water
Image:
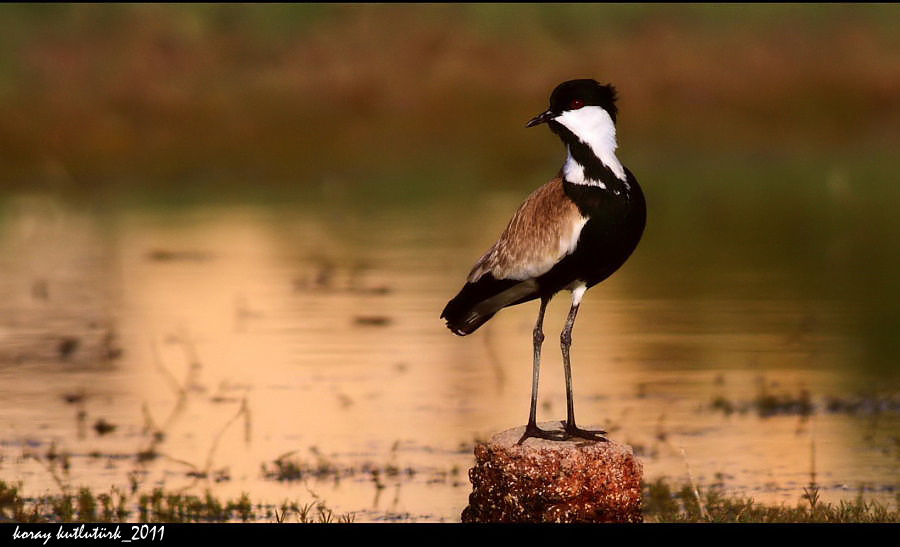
column 310, row 330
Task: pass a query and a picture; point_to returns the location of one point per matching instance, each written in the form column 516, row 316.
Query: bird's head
column 577, row 103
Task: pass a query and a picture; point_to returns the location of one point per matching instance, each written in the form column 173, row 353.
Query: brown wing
column 544, row 230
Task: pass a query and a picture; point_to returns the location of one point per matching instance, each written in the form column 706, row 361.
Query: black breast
column 616, row 218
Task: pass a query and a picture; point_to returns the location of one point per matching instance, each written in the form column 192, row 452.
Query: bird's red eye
column 576, row 104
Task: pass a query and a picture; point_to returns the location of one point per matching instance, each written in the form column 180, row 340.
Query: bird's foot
column 532, row 430
column 570, row 430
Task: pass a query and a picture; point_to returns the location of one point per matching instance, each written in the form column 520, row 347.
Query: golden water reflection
column 247, row 333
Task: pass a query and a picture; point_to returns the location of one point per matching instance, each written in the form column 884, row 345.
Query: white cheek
column 594, row 127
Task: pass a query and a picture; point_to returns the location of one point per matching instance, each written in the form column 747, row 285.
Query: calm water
column 248, row 333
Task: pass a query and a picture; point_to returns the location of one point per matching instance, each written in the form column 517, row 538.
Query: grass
column 156, row 506
column 290, row 467
column 665, row 502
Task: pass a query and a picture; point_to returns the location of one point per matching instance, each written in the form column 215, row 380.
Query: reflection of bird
column 570, row 234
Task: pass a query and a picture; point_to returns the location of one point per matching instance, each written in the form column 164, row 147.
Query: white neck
column 594, row 127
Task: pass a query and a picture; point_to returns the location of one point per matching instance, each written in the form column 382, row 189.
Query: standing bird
column 570, row 234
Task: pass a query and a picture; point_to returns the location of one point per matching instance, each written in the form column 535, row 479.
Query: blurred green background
column 765, row 136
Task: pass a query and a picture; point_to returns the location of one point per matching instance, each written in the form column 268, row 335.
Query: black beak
column 541, row 118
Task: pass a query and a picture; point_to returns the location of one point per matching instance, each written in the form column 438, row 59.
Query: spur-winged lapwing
column 570, row 234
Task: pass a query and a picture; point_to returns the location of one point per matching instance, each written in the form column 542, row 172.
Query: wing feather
column 543, row 230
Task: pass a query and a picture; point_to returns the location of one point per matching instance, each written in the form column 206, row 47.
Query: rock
column 553, row 481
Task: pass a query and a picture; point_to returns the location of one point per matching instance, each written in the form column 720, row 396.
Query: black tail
column 479, row 301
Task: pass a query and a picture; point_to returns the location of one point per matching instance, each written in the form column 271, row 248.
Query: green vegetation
column 104, row 96
column 157, row 506
column 289, row 467
column 665, row 503
column 662, row 503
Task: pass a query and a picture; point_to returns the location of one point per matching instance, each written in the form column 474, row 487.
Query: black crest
column 589, row 92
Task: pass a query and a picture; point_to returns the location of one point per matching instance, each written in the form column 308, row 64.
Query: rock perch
column 553, row 481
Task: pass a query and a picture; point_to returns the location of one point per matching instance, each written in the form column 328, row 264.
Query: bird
column 568, row 235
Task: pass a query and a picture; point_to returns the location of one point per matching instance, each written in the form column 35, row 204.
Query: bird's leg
column 532, row 430
column 565, row 338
